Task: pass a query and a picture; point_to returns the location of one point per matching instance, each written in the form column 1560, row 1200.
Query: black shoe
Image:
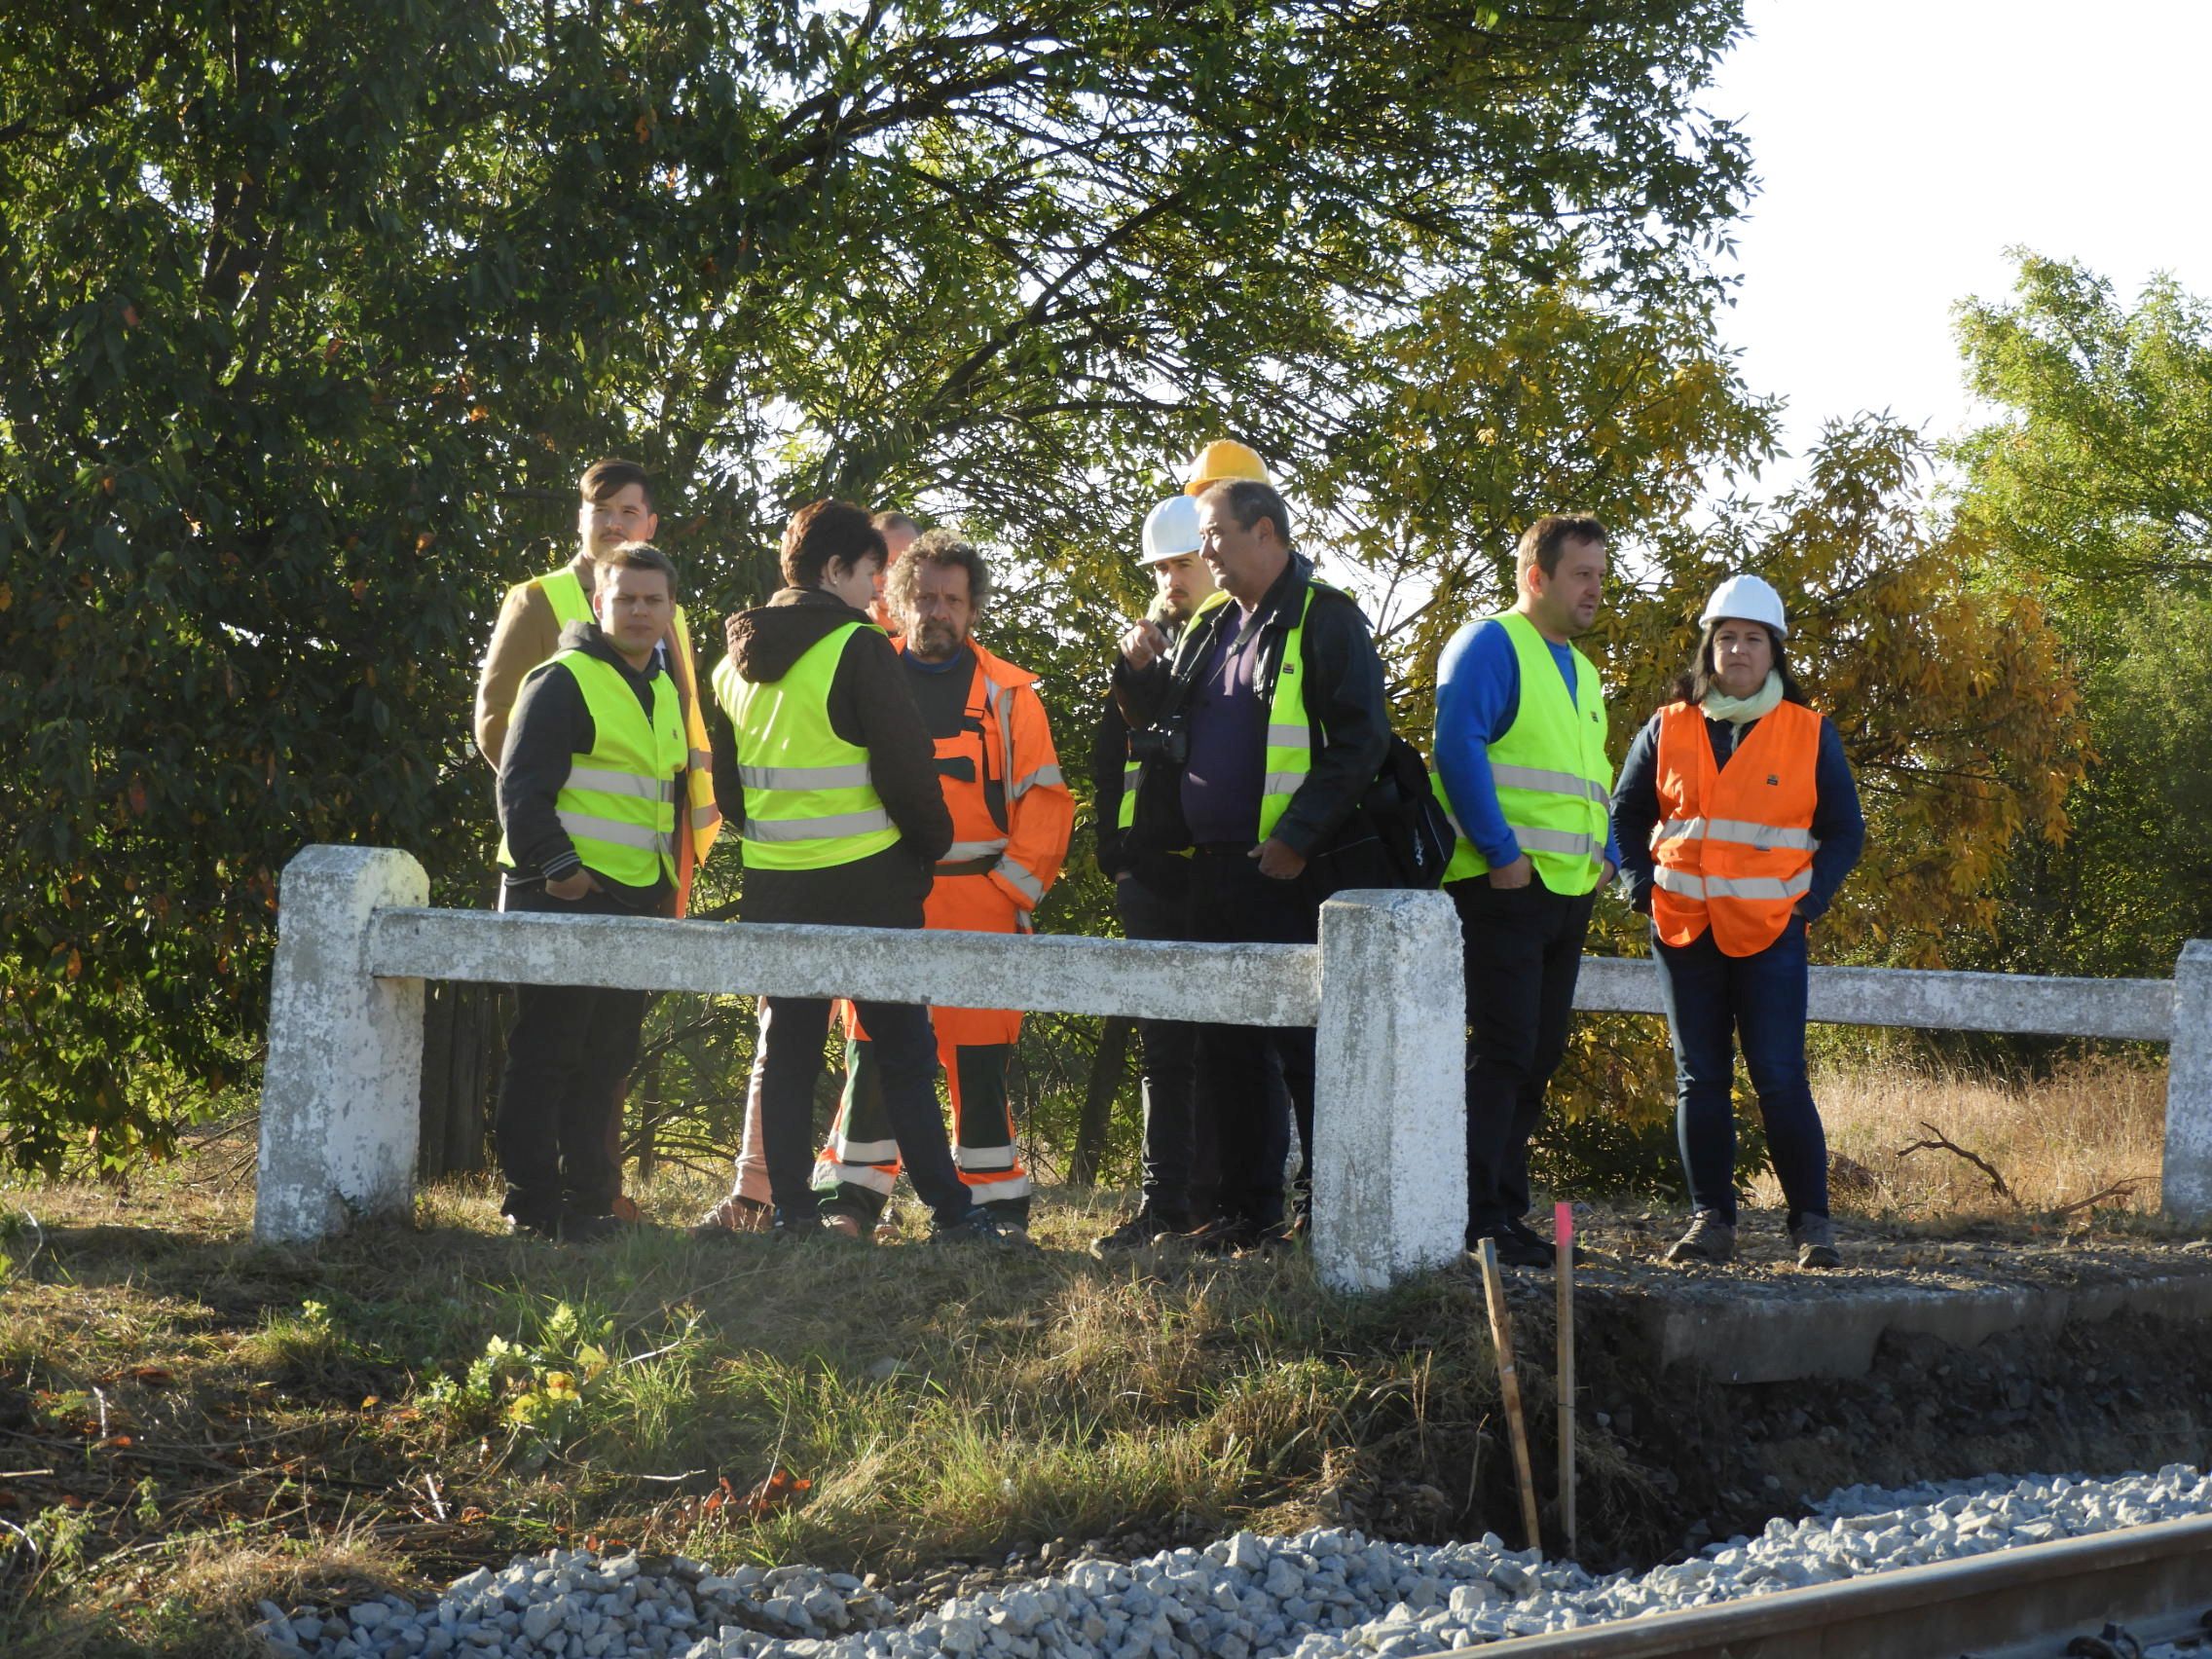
column 1528, row 1235
column 796, row 1227
column 1140, row 1231
column 592, row 1229
column 1513, row 1250
column 1224, row 1235
column 981, row 1226
column 546, row 1232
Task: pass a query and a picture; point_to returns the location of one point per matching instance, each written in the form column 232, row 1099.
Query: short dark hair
column 1543, row 541
column 827, row 530
column 945, row 549
column 639, row 556
column 1249, row 501
column 891, row 518
column 1695, row 680
column 607, row 477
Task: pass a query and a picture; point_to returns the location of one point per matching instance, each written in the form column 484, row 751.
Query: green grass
column 224, row 1421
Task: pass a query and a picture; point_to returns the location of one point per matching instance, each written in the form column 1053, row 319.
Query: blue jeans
column 1712, row 1000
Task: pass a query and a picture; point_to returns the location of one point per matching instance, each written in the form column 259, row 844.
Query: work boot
column 980, row 1227
column 1514, row 1249
column 1709, row 1241
column 734, row 1214
column 1815, row 1238
column 1224, row 1235
column 578, row 1229
column 1140, row 1231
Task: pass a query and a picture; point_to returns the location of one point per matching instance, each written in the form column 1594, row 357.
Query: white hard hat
column 1748, row 599
column 1171, row 530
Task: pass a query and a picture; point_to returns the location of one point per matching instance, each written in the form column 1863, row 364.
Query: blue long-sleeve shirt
column 1838, row 824
column 1478, row 694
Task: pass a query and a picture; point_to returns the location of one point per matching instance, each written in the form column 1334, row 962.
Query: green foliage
column 307, row 322
column 2094, row 492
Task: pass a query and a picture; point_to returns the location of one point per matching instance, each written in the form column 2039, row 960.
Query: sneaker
column 980, row 1227
column 548, row 1231
column 1709, row 1241
column 1143, row 1230
column 734, row 1214
column 1514, row 1250
column 1815, row 1238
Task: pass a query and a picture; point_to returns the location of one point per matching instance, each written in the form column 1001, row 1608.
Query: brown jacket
column 525, row 636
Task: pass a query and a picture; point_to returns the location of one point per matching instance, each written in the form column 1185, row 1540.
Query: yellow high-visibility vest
column 809, row 802
column 619, row 802
column 1550, row 769
column 571, row 604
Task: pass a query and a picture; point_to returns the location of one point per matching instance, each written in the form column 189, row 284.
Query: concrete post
column 1389, row 1111
column 2187, row 1188
column 339, row 1092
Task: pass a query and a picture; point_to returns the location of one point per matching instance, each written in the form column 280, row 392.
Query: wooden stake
column 1509, row 1386
column 1562, row 1272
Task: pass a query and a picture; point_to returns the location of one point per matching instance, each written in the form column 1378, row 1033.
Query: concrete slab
column 1781, row 1328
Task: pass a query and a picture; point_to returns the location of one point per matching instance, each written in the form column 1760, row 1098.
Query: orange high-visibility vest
column 1733, row 844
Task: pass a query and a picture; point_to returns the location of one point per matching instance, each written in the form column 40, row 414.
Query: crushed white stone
column 1325, row 1594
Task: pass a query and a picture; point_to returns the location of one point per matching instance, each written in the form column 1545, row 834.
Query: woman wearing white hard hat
column 1738, row 820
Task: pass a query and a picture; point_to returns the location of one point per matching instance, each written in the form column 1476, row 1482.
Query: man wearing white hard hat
column 1150, row 890
column 1737, row 819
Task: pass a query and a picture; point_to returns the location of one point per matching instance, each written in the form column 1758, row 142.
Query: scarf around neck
column 1741, row 711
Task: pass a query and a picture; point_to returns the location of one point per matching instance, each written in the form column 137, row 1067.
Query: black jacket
column 552, row 725
column 1344, row 708
column 871, row 708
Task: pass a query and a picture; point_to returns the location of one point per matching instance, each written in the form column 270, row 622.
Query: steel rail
column 1937, row 1611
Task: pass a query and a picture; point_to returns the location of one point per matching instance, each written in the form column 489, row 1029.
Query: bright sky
column 1902, row 145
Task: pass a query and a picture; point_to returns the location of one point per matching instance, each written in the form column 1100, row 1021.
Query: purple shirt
column 1222, row 779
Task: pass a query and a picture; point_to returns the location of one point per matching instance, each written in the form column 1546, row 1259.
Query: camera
column 1169, row 741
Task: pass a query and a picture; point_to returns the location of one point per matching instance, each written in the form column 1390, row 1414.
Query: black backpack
column 1399, row 835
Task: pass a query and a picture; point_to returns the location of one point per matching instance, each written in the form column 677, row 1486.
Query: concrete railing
column 339, row 1109
column 1384, row 988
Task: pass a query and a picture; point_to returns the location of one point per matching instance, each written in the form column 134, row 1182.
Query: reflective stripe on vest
column 808, row 800
column 1549, row 768
column 1126, row 814
column 1734, row 845
column 619, row 802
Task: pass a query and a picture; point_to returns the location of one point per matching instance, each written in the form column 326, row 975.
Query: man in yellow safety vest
column 590, row 775
column 1521, row 765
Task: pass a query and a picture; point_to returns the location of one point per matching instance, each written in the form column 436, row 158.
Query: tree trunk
column 1109, row 1065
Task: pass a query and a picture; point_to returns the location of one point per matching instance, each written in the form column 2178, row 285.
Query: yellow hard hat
column 1225, row 457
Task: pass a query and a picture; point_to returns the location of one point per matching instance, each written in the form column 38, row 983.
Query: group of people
column 878, row 767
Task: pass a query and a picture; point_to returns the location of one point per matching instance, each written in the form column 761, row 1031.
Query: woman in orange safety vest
column 1738, row 820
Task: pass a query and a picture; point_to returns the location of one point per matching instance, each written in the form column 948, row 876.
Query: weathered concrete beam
column 1389, row 1114
column 1928, row 999
column 2186, row 1185
column 340, row 1090
column 1235, row 984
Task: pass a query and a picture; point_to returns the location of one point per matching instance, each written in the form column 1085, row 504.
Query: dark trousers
column 792, row 1030
column 1180, row 1171
column 569, row 1052
column 1232, row 902
column 1523, row 947
column 1712, row 1000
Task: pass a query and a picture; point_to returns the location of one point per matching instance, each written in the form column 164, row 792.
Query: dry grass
column 2091, row 1133
column 211, row 1420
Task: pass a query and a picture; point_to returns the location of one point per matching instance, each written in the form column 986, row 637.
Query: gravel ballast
column 1319, row 1595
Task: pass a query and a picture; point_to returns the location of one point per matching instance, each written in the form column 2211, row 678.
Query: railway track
column 2157, row 1580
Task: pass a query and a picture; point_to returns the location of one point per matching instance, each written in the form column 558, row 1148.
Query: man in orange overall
column 1011, row 817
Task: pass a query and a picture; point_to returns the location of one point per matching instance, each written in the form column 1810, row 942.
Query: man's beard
column 933, row 642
